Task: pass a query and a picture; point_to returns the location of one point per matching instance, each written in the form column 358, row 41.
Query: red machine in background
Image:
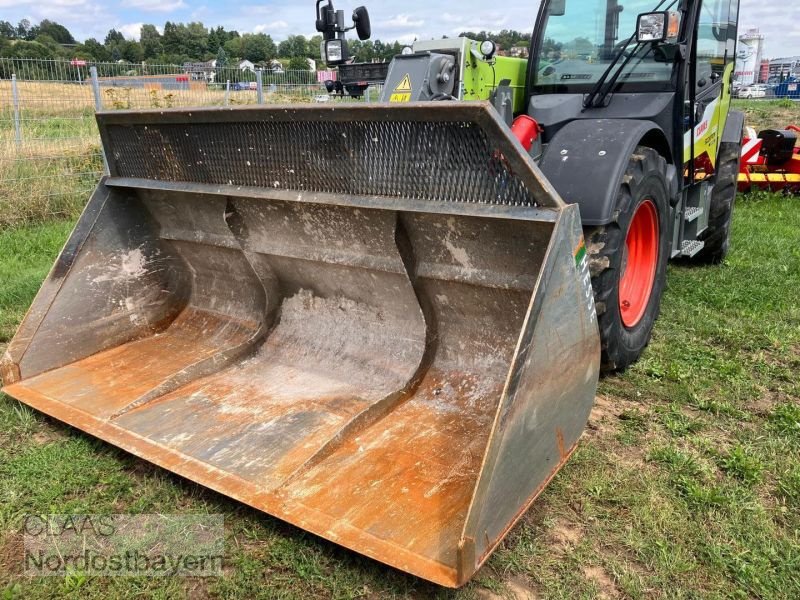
column 771, row 161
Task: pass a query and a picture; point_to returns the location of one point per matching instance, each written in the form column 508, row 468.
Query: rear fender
column 586, row 160
column 734, row 128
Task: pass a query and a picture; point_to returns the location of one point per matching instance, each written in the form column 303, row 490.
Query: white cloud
column 131, row 31
column 269, row 27
column 408, row 38
column 155, row 5
column 486, row 21
column 55, row 4
column 401, row 22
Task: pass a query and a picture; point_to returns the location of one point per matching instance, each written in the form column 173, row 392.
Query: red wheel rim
column 639, row 264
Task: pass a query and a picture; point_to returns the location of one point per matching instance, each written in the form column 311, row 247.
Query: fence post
column 98, row 105
column 259, row 87
column 227, row 92
column 98, row 99
column 17, row 121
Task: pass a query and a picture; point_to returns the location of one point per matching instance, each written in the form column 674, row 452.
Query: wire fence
column 50, row 155
column 788, row 90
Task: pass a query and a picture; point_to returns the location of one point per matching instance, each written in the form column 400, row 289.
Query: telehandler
column 381, row 323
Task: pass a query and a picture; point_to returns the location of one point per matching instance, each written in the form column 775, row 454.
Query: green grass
column 687, row 485
column 769, row 114
column 26, row 255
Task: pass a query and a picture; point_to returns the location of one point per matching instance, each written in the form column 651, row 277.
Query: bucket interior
column 340, row 367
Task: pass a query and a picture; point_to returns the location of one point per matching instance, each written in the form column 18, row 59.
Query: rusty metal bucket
column 375, row 323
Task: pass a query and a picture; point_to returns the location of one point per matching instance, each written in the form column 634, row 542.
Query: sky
column 779, row 20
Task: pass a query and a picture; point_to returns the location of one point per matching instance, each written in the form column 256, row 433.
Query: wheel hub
column 639, row 264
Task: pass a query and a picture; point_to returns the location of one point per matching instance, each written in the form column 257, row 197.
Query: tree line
column 177, row 43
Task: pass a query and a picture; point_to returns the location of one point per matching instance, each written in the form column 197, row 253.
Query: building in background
column 781, row 69
column 749, row 56
column 763, row 76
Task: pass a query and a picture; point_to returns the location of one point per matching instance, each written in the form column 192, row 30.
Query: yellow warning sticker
column 405, row 85
column 402, row 93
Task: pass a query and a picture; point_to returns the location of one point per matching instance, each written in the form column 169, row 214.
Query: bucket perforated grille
column 425, row 160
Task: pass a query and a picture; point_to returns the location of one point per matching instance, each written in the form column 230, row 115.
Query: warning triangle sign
column 405, row 85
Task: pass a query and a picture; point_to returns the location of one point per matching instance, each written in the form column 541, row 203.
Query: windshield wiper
column 595, row 98
column 600, row 91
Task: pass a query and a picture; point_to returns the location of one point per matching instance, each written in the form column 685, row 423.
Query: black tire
column 718, row 235
column 645, row 178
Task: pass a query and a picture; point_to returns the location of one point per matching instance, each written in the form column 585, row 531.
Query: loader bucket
column 373, row 322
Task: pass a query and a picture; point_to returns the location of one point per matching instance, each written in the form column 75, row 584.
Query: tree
column 196, row 40
column 96, row 50
column 131, row 51
column 233, row 48
column 25, row 31
column 7, row 31
column 48, row 42
column 56, row 31
column 222, row 58
column 314, row 47
column 181, row 40
column 116, row 55
column 257, row 47
column 92, row 50
column 25, row 49
column 299, row 63
column 363, row 51
column 150, row 40
column 114, row 38
column 293, row 46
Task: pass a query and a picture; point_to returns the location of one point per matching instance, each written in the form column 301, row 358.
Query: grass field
column 686, row 485
column 51, row 170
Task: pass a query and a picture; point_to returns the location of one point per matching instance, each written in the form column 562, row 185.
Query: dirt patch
column 12, row 553
column 196, row 588
column 517, row 588
column 766, row 403
column 606, row 587
column 565, row 536
column 47, row 435
column 606, row 414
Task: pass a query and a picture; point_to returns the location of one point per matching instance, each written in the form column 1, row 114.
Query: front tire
column 628, row 261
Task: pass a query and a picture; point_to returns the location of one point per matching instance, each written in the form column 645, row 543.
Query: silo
column 748, row 57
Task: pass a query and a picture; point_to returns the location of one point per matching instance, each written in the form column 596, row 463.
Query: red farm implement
column 771, row 160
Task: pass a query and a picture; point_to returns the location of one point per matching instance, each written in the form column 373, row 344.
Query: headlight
column 488, row 48
column 333, row 50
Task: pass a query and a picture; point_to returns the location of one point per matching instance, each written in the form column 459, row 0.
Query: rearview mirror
column 658, row 27
column 558, row 8
column 361, row 19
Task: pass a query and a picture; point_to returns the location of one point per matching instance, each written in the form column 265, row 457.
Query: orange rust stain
column 562, row 451
column 109, row 380
column 411, row 479
column 241, row 490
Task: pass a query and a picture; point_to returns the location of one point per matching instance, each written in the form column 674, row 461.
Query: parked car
column 753, row 91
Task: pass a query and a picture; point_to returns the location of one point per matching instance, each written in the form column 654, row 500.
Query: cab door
column 714, row 58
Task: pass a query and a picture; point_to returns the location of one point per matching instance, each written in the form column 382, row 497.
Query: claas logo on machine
column 402, row 93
